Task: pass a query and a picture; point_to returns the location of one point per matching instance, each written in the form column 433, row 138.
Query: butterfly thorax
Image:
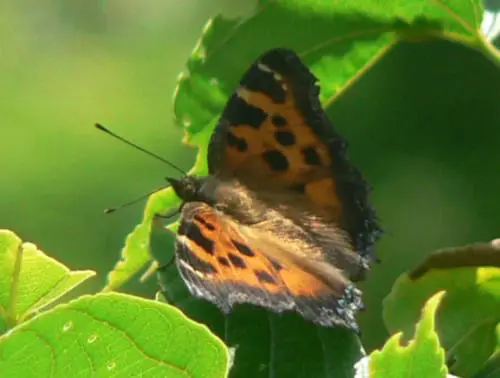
column 227, row 196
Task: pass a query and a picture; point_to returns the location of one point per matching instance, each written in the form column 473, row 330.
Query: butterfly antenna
column 158, row 157
column 113, row 209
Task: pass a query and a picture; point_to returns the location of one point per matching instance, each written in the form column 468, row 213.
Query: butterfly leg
column 168, row 215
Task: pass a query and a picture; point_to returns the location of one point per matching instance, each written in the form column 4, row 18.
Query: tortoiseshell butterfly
column 283, row 220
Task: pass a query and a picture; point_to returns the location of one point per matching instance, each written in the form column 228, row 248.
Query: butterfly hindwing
column 274, row 131
column 218, row 262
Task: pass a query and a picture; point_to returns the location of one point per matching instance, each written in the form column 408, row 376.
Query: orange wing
column 219, row 264
column 274, row 132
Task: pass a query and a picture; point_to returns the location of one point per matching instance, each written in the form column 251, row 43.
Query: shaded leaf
column 30, row 280
column 423, row 357
column 469, row 314
column 112, row 335
column 491, row 369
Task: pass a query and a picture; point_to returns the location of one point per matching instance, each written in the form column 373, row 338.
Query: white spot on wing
column 243, row 93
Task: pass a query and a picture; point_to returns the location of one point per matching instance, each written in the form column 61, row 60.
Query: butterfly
column 282, row 221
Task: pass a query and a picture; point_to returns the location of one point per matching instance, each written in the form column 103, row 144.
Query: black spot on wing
column 193, row 233
column 263, row 81
column 239, row 143
column 239, row 112
column 223, row 261
column 236, row 261
column 208, row 225
column 311, row 157
column 189, row 257
column 299, row 188
column 243, row 249
column 276, row 265
column 264, row 277
column 278, row 120
column 276, row 160
column 285, row 138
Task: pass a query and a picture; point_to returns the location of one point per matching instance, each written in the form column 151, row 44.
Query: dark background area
column 423, row 126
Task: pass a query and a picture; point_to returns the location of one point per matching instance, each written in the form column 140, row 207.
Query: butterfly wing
column 274, row 132
column 227, row 263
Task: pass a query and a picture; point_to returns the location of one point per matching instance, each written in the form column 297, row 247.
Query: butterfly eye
column 182, row 188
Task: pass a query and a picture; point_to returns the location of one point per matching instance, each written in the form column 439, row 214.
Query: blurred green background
column 423, row 126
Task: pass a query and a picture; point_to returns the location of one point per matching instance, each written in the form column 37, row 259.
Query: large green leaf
column 338, row 40
column 423, row 357
column 112, row 335
column 469, row 314
column 30, row 280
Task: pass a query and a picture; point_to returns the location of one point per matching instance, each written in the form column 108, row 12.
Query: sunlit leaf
column 422, row 357
column 112, row 335
column 30, row 280
column 469, row 314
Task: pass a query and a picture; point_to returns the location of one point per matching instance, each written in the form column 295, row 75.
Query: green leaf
column 30, row 280
column 338, row 40
column 346, row 39
column 470, row 312
column 112, row 335
column 491, row 369
column 423, row 357
column 268, row 344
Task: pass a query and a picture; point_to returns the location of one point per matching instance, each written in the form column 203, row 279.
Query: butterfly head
column 187, row 188
column 192, row 188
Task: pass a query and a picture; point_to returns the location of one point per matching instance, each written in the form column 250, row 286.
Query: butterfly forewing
column 273, row 130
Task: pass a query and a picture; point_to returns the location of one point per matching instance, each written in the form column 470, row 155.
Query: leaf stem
column 488, row 49
column 11, row 316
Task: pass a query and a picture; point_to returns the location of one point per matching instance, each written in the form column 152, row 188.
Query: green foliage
column 469, row 315
column 102, row 335
column 423, row 357
column 491, row 369
column 30, row 280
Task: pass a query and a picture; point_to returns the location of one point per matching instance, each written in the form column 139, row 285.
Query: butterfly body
column 282, row 221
